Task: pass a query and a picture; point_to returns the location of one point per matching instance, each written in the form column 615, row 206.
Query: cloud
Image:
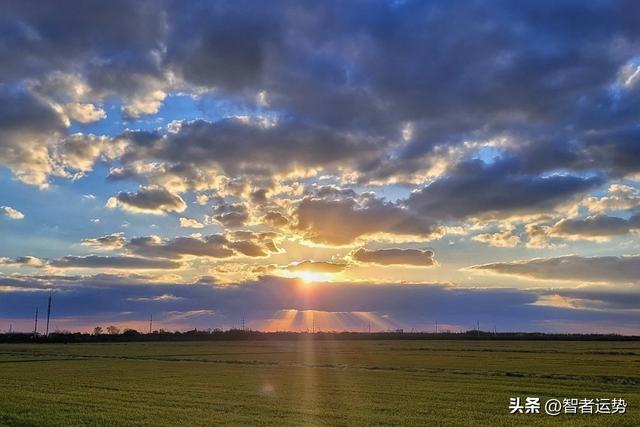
column 144, row 104
column 317, row 267
column 79, row 152
column 613, row 269
column 595, row 227
column 342, row 221
column 11, row 213
column 29, row 128
column 257, row 147
column 151, row 200
column 539, row 236
column 239, row 243
column 190, row 223
column 26, row 261
column 275, row 219
column 322, row 106
column 84, row 113
column 500, row 189
column 395, row 256
column 619, row 198
column 231, row 215
column 117, row 262
column 111, row 241
column 504, row 239
column 163, row 297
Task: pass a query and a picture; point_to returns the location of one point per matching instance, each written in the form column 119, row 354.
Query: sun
column 313, row 276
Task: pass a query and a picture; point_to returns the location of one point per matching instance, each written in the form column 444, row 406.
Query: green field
column 311, row 382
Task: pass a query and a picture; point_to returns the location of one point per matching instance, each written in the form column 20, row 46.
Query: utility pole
column 35, row 326
column 436, row 326
column 150, row 323
column 369, row 326
column 478, row 323
column 313, row 325
column 48, row 315
column 242, row 323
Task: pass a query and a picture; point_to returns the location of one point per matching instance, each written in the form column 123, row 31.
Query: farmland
column 312, row 382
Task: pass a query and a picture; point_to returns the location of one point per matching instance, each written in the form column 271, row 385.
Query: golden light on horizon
column 313, row 276
column 320, row 320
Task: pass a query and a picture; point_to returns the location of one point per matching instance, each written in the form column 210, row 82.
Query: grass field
column 311, row 382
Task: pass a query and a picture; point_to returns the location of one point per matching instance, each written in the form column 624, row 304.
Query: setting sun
column 313, row 276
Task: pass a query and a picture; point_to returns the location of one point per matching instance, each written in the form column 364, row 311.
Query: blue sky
column 354, row 160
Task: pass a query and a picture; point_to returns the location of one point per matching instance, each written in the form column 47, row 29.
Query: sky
column 351, row 164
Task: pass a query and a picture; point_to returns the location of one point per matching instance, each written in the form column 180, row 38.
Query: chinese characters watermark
column 553, row 407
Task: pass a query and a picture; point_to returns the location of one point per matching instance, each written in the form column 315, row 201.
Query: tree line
column 114, row 334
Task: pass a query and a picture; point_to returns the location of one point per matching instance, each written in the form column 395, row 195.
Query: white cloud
column 148, row 103
column 12, row 213
column 190, row 223
column 84, row 113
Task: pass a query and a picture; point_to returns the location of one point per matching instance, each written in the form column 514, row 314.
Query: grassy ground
column 311, row 383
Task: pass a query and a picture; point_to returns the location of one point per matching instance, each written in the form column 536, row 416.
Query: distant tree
column 130, row 333
column 113, row 330
column 97, row 330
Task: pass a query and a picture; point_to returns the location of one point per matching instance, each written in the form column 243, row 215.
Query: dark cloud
column 155, row 200
column 231, row 215
column 394, row 256
column 275, row 219
column 259, row 196
column 124, row 262
column 338, row 81
column 221, row 45
column 256, row 146
column 245, row 243
column 57, row 37
column 614, row 269
column 596, row 226
column 210, row 246
column 475, row 188
column 616, row 149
